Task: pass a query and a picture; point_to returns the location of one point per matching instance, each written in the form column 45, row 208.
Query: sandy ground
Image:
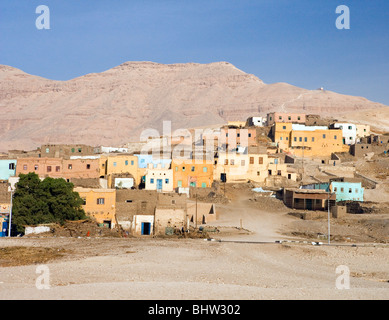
column 181, row 269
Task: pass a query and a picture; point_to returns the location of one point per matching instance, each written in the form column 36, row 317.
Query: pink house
column 285, row 117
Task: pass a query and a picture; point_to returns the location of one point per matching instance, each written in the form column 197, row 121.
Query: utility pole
column 328, row 205
column 196, row 212
column 10, row 214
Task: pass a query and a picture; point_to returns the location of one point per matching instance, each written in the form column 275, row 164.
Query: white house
column 160, row 179
column 349, row 132
column 257, row 121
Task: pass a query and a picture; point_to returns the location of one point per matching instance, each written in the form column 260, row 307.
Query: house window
column 238, row 135
column 324, row 136
column 57, row 168
column 251, row 160
column 295, row 139
column 313, row 139
column 88, row 166
column 335, row 189
column 179, row 183
column 335, row 137
column 270, row 118
column 249, row 135
column 151, row 180
column 167, row 181
column 203, row 185
column 36, row 167
column 83, row 201
column 289, row 118
column 73, row 150
column 48, row 168
column 226, row 162
column 69, row 166
column 132, row 162
column 350, row 190
column 126, row 162
column 176, row 169
column 232, row 162
column 183, row 168
column 298, row 118
column 300, row 139
column 242, row 163
column 350, row 127
column 100, row 201
column 258, row 173
column 287, row 138
column 356, row 190
column 279, row 172
column 260, row 160
column 284, row 127
column 11, row 166
column 79, row 150
column 24, row 167
column 205, row 169
column 306, row 139
column 280, row 138
column 114, row 164
column 47, row 150
column 192, row 169
column 341, row 189
column 280, row 118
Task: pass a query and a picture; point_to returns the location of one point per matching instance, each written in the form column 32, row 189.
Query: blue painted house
column 145, row 159
column 347, row 191
column 7, row 168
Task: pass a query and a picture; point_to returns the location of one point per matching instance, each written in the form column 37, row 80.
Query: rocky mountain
column 115, row 106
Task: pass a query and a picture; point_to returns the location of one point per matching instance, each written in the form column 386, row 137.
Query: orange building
column 192, row 173
column 99, row 204
column 308, row 141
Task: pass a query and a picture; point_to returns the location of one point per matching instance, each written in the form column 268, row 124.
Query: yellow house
column 121, row 165
column 242, row 167
column 99, row 204
column 308, row 141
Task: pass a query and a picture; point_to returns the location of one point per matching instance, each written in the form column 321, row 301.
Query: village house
column 99, row 204
column 145, row 213
column 65, row 150
column 349, row 132
column 308, row 199
column 376, row 144
column 159, row 178
column 67, row 169
column 192, row 173
column 256, row 122
column 308, row 141
column 7, row 168
column 363, row 130
column 122, row 166
column 274, row 117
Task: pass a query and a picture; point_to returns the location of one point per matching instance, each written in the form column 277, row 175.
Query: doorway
column 146, row 228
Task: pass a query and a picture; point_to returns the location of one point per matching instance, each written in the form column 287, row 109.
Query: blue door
column 159, row 184
column 146, row 226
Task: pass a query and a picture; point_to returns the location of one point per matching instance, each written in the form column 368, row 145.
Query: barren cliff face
column 113, row 107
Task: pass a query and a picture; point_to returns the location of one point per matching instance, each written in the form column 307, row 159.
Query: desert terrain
column 113, row 107
column 256, row 250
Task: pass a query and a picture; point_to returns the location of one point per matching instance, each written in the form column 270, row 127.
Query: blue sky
column 293, row 41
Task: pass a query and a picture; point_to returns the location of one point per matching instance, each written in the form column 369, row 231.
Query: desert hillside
column 113, row 107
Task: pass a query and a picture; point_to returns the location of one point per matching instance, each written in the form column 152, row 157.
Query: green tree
column 48, row 201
